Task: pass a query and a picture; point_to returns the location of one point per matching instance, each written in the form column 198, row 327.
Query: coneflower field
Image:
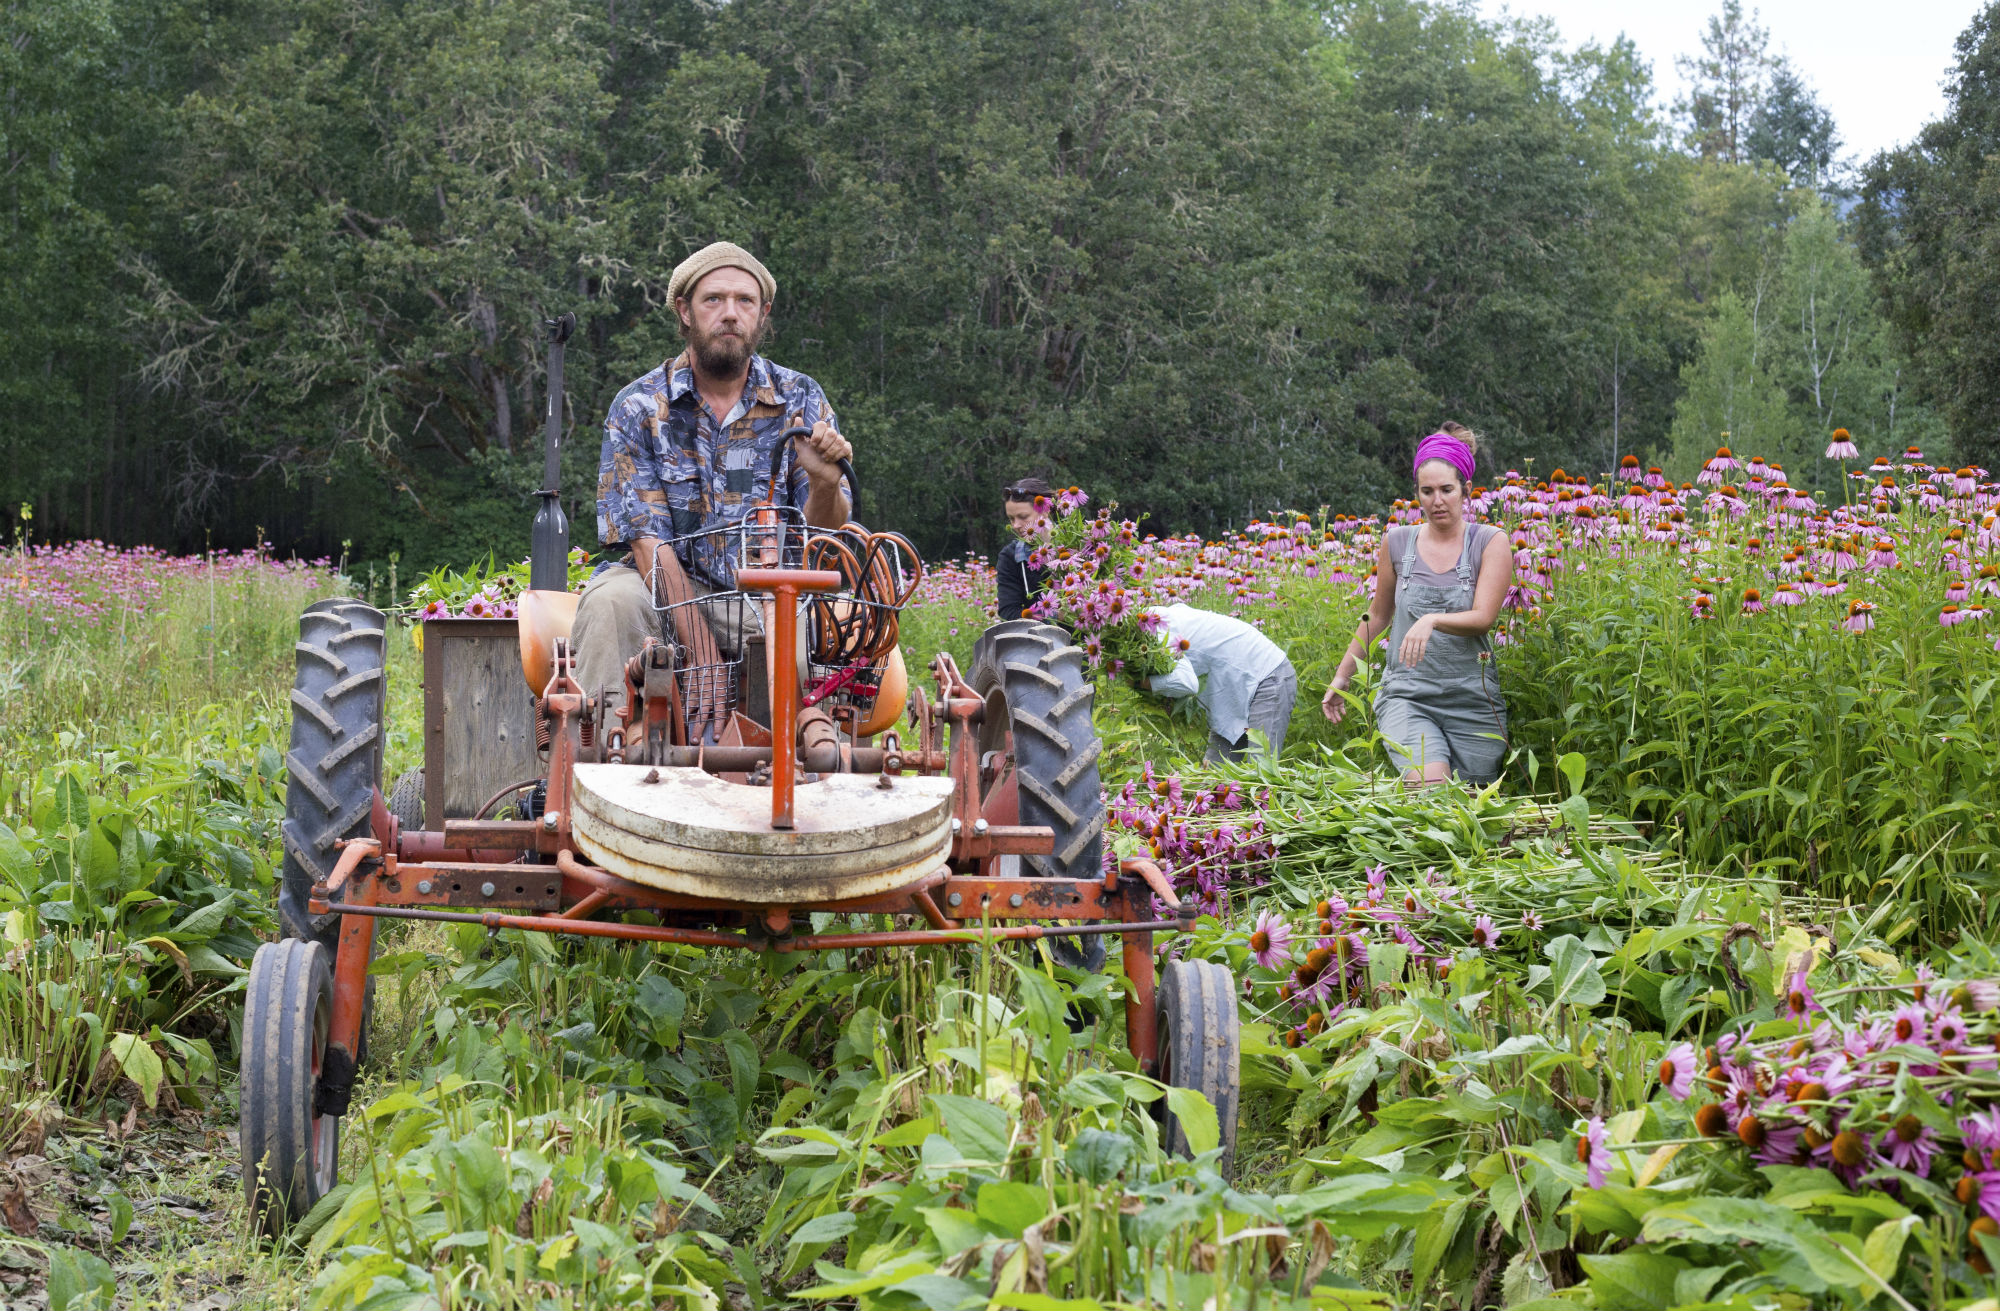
column 1694, row 1008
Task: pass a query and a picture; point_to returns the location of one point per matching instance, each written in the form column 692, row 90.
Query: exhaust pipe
column 548, row 558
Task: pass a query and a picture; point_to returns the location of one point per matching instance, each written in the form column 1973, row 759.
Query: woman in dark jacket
column 1018, row 582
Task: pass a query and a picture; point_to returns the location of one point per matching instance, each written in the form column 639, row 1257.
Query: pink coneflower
column 1753, row 601
column 1909, row 1024
column 1787, row 594
column 1677, row 1071
column 1913, row 460
column 1860, row 617
column 1531, row 921
column 1842, row 446
column 436, row 610
column 478, row 608
column 1909, row 1144
column 1988, row 579
column 1964, row 483
column 1951, row 616
column 1956, row 590
column 1948, row 1031
column 1378, row 881
column 1884, row 554
column 1592, row 1154
column 1628, row 468
column 1270, row 941
column 1484, row 934
column 1799, row 1000
column 1656, row 477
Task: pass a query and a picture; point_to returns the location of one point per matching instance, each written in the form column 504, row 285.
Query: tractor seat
column 693, row 833
column 543, row 617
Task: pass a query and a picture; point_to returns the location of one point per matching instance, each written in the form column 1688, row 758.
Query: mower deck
column 680, row 829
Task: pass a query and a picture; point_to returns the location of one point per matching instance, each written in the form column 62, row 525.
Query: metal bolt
column 424, row 887
column 954, row 899
column 1015, row 901
column 979, row 826
column 956, row 825
column 486, row 889
column 551, row 819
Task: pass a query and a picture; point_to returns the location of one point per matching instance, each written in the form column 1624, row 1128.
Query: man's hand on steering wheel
column 820, row 454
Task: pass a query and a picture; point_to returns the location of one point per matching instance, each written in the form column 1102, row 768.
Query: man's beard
column 723, row 355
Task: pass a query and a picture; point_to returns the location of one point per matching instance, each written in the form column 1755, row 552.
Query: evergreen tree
column 1726, row 85
column 1794, row 131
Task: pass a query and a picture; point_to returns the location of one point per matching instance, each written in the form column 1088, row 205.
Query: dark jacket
column 1019, row 584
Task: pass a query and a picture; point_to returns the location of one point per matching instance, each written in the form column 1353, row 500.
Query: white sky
column 1878, row 68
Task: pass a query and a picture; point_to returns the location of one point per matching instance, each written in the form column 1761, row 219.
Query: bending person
column 1439, row 706
column 1242, row 678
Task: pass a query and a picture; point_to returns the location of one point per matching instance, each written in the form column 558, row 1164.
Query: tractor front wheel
column 291, row 1150
column 1200, row 1048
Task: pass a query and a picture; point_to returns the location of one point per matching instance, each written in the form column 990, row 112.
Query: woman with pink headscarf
column 1438, row 708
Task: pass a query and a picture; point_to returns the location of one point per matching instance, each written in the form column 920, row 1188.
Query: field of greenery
column 1695, row 1009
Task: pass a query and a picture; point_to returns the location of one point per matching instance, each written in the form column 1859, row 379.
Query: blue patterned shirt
column 672, row 469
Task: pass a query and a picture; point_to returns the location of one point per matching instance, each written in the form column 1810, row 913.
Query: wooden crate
column 479, row 727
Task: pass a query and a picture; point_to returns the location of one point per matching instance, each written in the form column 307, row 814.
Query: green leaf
column 79, row 1281
column 140, row 1063
column 1727, row 1221
column 120, row 1207
column 832, row 1227
column 1637, row 1279
column 664, row 1005
column 1435, row 1234
column 201, row 924
column 1011, row 1207
column 954, row 1228
column 1573, row 974
column 16, row 865
column 941, row 1292
column 1883, row 1248
column 744, row 1068
column 1572, row 765
column 713, row 1109
column 1097, row 1155
column 978, row 1129
column 1198, row 1120
column 70, row 804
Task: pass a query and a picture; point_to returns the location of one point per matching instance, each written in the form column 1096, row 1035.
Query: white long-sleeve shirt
column 1225, row 662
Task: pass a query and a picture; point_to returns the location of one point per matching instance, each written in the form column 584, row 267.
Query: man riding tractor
column 688, row 449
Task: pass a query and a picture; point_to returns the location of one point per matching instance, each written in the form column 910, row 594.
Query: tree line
column 277, row 270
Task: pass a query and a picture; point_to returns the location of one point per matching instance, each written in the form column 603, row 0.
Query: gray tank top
column 1454, row 667
column 1476, row 537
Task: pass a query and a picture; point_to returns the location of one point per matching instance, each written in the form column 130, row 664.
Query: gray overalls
column 1448, row 706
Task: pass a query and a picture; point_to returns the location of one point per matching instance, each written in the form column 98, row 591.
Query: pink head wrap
column 1443, row 446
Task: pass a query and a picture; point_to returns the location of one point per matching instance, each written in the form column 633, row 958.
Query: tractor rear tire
column 291, row 1152
column 335, row 761
column 1038, row 699
column 406, row 800
column 1200, row 1037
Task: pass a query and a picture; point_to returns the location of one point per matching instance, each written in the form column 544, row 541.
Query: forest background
column 276, row 271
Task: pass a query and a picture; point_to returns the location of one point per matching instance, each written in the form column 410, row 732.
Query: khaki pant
column 615, row 616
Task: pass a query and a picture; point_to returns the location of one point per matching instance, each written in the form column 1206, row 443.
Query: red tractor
column 727, row 791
